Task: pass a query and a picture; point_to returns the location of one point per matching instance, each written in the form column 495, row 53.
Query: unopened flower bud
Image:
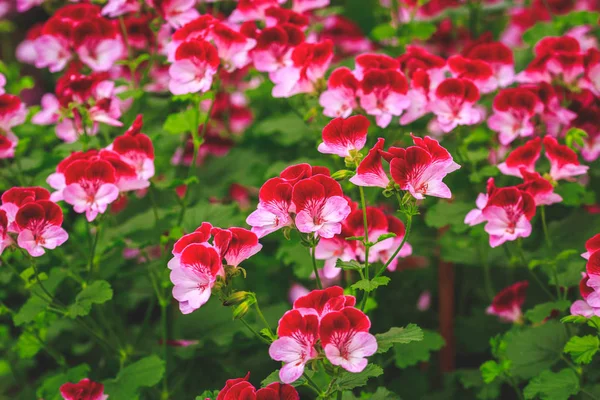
column 236, row 298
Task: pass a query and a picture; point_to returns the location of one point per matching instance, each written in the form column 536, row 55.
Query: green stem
column 197, row 142
column 312, row 383
column 262, row 317
column 363, row 205
column 514, row 385
column 408, row 227
column 533, row 275
column 165, row 337
column 545, row 228
column 94, row 245
column 251, row 329
column 315, row 268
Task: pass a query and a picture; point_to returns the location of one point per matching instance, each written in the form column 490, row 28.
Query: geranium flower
column 323, row 301
column 241, row 389
column 564, row 163
column 272, row 213
column 193, row 279
column 383, row 94
column 591, row 245
column 370, row 172
column 298, row 335
column 320, row 206
column 476, row 71
column 235, row 244
column 522, row 158
column 38, row 224
column 453, row 103
column 421, row 168
column 85, row 389
column 341, row 136
column 346, row 339
column 201, row 235
column 339, row 100
column 507, row 304
column 508, row 213
column 196, row 62
column 136, row 149
column 513, row 110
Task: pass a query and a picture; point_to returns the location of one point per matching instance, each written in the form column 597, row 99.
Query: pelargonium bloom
column 308, row 5
column 309, row 64
column 232, row 46
column 499, row 57
column 200, row 235
column 38, row 224
column 272, row 213
column 90, row 187
column 453, row 104
column 320, row 206
column 589, row 306
column 274, row 47
column 333, row 249
column 15, row 197
column 346, row 339
column 339, row 100
column 136, row 149
column 522, row 158
column 12, row 112
column 298, row 335
column 370, row 172
column 508, row 214
column 508, row 303
column 193, row 279
column 341, row 136
column 241, row 389
column 477, row 71
column 591, row 246
column 419, row 95
column 196, row 62
column 85, row 389
column 475, row 216
column 513, row 110
column 421, row 168
column 97, row 43
column 236, row 244
column 176, row 12
column 323, row 301
column 564, row 163
column 539, row 188
column 383, row 94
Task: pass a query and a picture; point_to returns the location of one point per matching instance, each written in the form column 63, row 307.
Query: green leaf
column 385, row 236
column 582, row 349
column 380, row 394
column 370, row 285
column 348, row 380
column 97, row 292
column 448, row 214
column 286, row 130
column 574, row 194
column 410, row 333
column 553, row 385
column 146, row 372
column 351, row 265
column 181, row 122
column 542, row 311
column 27, row 345
column 415, row 352
column 50, row 388
column 490, row 370
column 383, row 31
column 535, row 349
column 538, row 31
column 208, row 394
column 31, row 309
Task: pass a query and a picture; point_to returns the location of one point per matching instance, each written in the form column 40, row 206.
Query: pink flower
column 116, row 8
column 196, row 61
column 320, row 207
column 417, row 58
column 331, row 250
column 236, row 244
column 522, row 158
column 513, row 110
column 370, row 61
column 421, row 168
column 53, row 45
column 200, row 264
column 383, row 94
column 176, row 12
column 507, row 304
column 252, row 10
column 5, row 240
column 275, row 199
column 424, row 301
column 499, row 57
column 241, row 389
column 508, row 213
column 558, row 57
column 591, row 246
column 274, row 47
column 98, row 44
column 453, row 104
column 38, row 224
column 563, row 161
column 8, row 145
column 200, row 235
column 322, row 302
column 419, row 95
column 309, row 64
column 50, row 111
column 346, row 340
column 2, row 83
column 232, row 46
column 24, row 5
column 90, row 187
column 591, row 78
column 477, row 71
column 554, row 115
column 339, row 100
column 308, row 5
column 136, row 149
column 12, row 112
column 370, row 171
column 85, row 389
column 26, row 51
column 475, row 216
column 298, row 335
column 539, row 188
column 343, row 136
column 15, row 197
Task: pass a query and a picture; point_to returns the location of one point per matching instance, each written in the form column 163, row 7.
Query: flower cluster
column 323, row 321
column 30, row 214
column 12, row 113
column 241, row 389
column 84, row 389
column 589, row 287
column 197, row 263
column 302, row 196
column 91, row 180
